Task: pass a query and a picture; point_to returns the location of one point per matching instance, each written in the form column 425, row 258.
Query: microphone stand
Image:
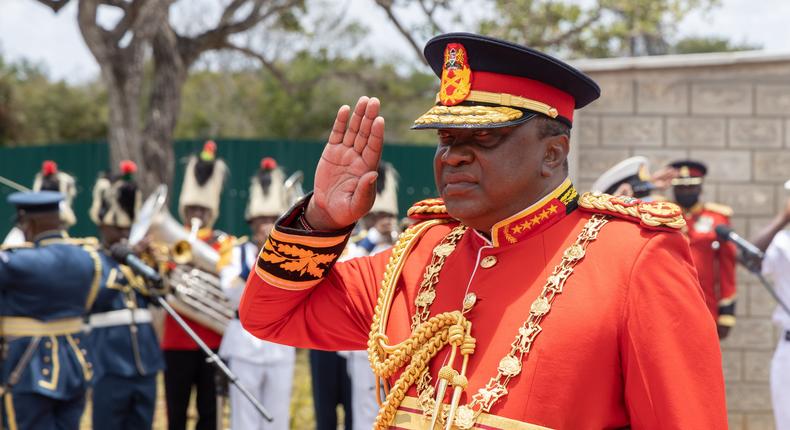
column 214, row 359
column 755, row 270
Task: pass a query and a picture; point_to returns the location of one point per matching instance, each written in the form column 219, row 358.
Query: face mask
column 687, row 200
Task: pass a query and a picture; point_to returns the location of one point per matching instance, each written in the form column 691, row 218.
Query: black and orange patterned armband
column 295, row 257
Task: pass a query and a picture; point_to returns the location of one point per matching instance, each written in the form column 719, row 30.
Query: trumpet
column 189, row 265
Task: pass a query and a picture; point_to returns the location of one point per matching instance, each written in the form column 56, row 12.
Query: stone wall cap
column 680, row 61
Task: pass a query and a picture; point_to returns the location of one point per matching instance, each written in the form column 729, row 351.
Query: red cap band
column 527, row 88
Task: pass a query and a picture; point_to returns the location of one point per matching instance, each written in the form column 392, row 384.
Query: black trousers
column 331, row 387
column 124, row 403
column 184, row 370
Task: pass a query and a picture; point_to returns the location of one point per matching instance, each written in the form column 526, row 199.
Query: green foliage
column 257, row 104
column 695, row 45
column 606, row 28
column 35, row 110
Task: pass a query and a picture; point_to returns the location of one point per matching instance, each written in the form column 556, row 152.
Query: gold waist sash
column 25, row 327
column 409, row 417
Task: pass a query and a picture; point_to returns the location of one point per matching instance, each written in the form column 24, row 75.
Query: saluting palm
column 345, row 177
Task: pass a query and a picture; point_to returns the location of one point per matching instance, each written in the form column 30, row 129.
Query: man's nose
column 457, row 154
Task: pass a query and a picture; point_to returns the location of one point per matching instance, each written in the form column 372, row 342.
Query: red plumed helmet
column 49, row 167
column 128, row 167
column 210, row 146
column 268, row 163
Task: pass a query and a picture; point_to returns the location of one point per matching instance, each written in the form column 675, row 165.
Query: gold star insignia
column 517, row 229
column 535, row 220
column 544, row 214
column 525, row 225
column 552, row 209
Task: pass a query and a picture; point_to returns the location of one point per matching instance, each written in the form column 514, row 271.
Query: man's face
column 687, row 195
column 112, row 234
column 385, row 224
column 200, row 212
column 260, row 227
column 486, row 175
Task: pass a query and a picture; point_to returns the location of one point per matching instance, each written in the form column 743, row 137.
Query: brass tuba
column 196, row 291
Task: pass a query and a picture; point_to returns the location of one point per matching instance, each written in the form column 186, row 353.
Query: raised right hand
column 345, row 178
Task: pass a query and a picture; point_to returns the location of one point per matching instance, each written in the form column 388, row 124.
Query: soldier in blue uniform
column 125, row 349
column 46, row 286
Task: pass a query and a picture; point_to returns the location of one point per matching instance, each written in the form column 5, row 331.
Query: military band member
column 124, row 347
column 186, row 366
column 714, row 259
column 50, row 178
column 515, row 303
column 46, row 286
column 265, row 368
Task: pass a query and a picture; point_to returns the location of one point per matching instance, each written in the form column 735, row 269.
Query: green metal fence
column 85, row 161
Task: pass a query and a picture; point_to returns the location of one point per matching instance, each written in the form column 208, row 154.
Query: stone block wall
column 733, row 112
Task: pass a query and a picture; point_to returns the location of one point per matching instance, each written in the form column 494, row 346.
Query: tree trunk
column 124, row 121
column 170, row 74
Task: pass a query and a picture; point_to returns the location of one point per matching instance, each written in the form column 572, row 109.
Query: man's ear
column 556, row 153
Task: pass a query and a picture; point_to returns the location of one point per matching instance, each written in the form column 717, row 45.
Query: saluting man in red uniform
column 514, row 303
column 714, row 259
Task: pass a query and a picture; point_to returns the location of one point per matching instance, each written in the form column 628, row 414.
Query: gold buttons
column 47, row 344
column 488, row 262
column 47, row 359
column 45, row 372
column 469, row 301
column 77, row 340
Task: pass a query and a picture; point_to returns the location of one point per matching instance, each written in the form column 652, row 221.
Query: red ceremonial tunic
column 714, row 259
column 627, row 342
column 174, row 337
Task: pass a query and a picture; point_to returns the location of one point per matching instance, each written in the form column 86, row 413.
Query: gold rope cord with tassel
column 432, row 334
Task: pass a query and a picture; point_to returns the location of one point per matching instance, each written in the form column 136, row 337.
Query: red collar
column 536, row 218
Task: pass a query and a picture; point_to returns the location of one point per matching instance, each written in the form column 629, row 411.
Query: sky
column 31, row 31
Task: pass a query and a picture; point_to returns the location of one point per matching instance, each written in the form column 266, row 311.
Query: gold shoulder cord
column 430, row 335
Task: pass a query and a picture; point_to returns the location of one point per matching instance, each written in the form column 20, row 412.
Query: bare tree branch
column 230, row 12
column 387, row 6
column 429, row 12
column 217, row 38
column 121, row 4
column 55, row 5
column 594, row 16
column 270, row 66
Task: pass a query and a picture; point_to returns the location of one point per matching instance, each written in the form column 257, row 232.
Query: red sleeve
column 670, row 349
column 727, row 261
column 298, row 295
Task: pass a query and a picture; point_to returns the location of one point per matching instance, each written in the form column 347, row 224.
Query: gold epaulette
column 81, row 241
column 719, row 209
column 12, row 246
column 428, row 209
column 650, row 215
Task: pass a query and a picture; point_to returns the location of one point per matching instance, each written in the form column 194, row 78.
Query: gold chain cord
column 430, row 335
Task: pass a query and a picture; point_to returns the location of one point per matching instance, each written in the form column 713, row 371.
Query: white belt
column 120, row 317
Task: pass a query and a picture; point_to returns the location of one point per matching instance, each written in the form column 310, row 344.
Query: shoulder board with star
column 719, row 209
column 428, row 209
column 658, row 215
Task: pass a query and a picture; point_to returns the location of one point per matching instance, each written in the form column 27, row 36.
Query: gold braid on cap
column 468, row 115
